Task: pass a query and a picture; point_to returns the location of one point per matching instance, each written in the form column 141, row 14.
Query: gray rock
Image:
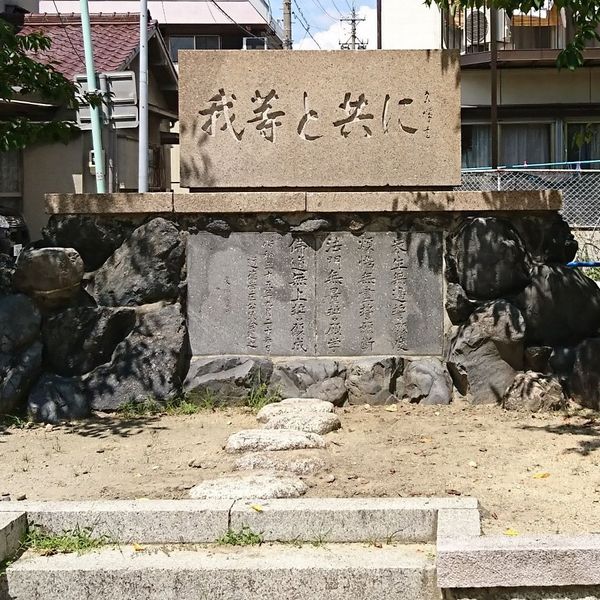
column 18, row 372
column 51, row 275
column 20, row 322
column 373, row 380
column 310, row 378
column 78, row 340
column 561, row 306
column 289, row 405
column 148, row 364
column 94, row 238
column 146, row 268
column 427, row 381
column 473, row 258
column 266, row 440
column 562, row 360
column 547, row 238
column 310, row 422
column 537, row 358
column 585, row 379
column 534, row 392
column 218, row 227
column 295, row 461
column 458, row 305
column 229, row 379
column 55, row 399
column 259, row 486
column 311, row 226
column 487, row 352
column 7, row 270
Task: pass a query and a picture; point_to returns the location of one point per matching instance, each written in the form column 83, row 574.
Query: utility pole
column 287, row 24
column 143, row 125
column 353, row 42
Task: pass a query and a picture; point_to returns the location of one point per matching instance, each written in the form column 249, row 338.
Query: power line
column 353, row 43
column 234, row 21
column 67, row 33
column 318, row 4
column 336, row 7
column 306, row 26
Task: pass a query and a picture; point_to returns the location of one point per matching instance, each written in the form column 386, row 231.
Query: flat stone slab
column 310, row 422
column 13, row 526
column 255, row 440
column 278, row 119
column 299, row 462
column 333, row 572
column 259, row 485
column 289, row 405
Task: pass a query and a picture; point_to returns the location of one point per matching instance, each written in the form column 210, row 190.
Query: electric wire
column 306, row 26
column 64, row 25
column 234, row 21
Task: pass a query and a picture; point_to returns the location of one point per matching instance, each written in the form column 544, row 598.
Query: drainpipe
column 93, row 88
column 143, row 126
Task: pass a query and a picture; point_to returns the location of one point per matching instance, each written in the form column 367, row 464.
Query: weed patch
column 244, row 537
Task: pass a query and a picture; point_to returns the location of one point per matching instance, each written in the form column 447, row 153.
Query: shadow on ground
column 589, row 428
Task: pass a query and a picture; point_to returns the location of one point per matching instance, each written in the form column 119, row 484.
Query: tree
column 585, row 15
column 22, row 77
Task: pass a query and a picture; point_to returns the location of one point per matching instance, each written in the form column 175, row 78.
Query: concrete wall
column 409, row 25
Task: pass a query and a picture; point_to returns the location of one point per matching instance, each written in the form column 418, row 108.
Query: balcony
column 535, row 38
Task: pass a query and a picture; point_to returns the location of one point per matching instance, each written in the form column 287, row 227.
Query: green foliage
column 14, row 421
column 203, row 400
column 78, row 540
column 260, row 395
column 21, row 77
column 584, row 14
column 184, row 405
column 244, row 537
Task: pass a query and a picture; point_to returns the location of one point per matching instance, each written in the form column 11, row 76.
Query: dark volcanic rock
column 20, row 322
column 146, row 268
column 561, row 306
column 373, row 380
column 229, row 379
column 487, row 352
column 487, row 258
column 78, row 340
column 427, row 381
column 55, row 399
column 18, row 372
column 311, row 226
column 148, row 364
column 585, row 379
column 547, row 238
column 537, row 357
column 218, row 227
column 93, row 237
column 7, row 270
column 533, row 392
column 458, row 305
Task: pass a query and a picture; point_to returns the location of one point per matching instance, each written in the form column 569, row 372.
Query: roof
column 115, row 38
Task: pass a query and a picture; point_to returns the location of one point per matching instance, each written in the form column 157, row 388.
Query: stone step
column 285, row 572
column 257, row 440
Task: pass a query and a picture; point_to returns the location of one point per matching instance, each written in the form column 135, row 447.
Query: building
column 32, row 173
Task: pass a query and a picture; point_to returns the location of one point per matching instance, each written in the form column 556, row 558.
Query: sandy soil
column 534, row 474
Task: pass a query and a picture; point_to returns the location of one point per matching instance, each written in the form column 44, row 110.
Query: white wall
column 410, row 25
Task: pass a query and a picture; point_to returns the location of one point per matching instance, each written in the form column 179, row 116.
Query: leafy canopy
column 585, row 15
column 21, row 77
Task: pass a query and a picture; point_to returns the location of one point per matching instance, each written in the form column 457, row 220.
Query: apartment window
column 192, row 42
column 583, row 143
column 522, row 143
column 10, row 174
column 476, row 146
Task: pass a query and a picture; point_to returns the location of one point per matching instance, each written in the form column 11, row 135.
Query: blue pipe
column 577, row 263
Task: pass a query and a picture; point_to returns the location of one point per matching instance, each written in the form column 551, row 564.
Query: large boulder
column 310, row 378
column 93, row 237
column 228, row 379
column 427, row 381
column 373, row 380
column 534, row 392
column 7, row 270
column 78, row 340
column 55, row 399
column 585, row 379
column 148, row 364
column 487, row 352
column 18, row 372
column 487, row 258
column 458, row 305
column 19, row 322
column 561, row 306
column 50, row 275
column 146, row 268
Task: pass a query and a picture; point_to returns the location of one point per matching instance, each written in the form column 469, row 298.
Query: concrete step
column 277, row 571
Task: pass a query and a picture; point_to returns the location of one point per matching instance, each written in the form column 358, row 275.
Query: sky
column 323, row 16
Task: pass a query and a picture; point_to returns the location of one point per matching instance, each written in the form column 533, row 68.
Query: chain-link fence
column 581, row 188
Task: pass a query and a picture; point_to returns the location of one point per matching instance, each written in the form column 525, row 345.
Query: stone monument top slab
column 314, row 119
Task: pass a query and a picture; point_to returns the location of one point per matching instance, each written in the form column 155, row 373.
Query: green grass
column 260, row 395
column 78, row 540
column 244, row 537
column 174, row 407
column 14, row 421
column 202, row 400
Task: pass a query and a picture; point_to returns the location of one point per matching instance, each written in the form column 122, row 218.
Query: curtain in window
column 524, row 143
column 476, row 146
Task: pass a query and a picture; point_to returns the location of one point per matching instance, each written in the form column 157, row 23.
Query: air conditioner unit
column 255, row 43
column 478, row 30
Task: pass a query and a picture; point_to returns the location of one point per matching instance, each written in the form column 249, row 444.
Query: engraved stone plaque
column 338, row 119
column 325, row 294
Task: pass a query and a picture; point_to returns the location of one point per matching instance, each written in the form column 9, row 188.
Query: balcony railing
column 470, row 29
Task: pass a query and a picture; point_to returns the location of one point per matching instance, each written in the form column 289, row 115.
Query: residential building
column 25, row 177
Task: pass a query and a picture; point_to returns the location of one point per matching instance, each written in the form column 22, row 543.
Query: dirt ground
column 533, row 474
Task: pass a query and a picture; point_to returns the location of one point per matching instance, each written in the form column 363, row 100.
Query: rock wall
column 94, row 317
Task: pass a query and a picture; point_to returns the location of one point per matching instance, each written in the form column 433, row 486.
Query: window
column 476, row 146
column 10, row 173
column 522, row 143
column 583, row 143
column 192, row 42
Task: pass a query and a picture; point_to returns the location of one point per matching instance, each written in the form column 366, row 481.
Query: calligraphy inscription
column 334, row 294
